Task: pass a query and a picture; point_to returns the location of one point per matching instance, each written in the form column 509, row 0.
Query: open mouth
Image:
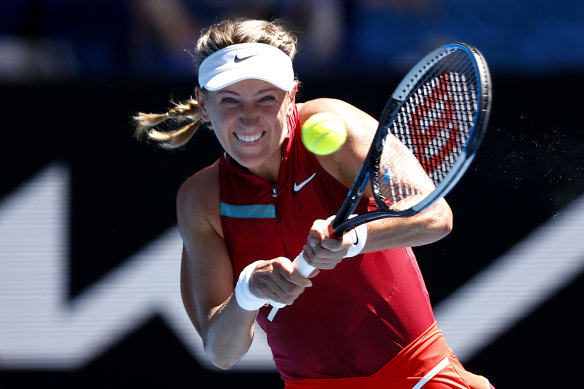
column 249, row 138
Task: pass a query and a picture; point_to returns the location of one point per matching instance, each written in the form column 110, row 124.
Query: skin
column 249, row 119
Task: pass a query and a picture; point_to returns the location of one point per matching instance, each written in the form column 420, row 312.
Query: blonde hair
column 183, row 121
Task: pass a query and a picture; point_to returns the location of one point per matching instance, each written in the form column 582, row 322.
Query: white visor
column 246, row 61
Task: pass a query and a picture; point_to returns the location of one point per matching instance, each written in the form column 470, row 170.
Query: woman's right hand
column 276, row 280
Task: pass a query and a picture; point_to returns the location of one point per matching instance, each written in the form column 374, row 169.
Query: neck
column 269, row 171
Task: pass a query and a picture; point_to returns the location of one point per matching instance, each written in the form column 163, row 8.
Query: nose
column 248, row 115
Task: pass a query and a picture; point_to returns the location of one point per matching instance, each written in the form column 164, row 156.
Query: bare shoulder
column 198, row 199
column 340, row 107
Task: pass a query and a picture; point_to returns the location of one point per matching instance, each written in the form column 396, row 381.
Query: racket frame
column 341, row 223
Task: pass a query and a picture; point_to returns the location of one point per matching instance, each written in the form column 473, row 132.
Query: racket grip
column 302, row 267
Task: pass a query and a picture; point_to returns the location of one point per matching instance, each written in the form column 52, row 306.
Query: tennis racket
column 428, row 134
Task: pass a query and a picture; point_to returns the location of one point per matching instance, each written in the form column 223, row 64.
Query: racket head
column 428, row 134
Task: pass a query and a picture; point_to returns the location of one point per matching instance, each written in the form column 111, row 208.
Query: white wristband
column 246, row 299
column 359, row 235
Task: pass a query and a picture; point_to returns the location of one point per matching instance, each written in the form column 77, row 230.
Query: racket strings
column 397, row 184
column 434, row 124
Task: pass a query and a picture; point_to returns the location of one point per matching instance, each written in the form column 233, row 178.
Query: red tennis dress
column 356, row 318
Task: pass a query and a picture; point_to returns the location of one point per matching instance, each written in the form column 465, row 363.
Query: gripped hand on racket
column 428, row 134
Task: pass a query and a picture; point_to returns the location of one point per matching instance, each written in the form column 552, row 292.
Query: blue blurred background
column 45, row 40
column 73, row 72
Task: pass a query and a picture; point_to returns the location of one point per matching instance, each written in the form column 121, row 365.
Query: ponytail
column 180, row 123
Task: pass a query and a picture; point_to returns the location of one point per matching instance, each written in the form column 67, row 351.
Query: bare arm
column 207, row 274
column 424, row 228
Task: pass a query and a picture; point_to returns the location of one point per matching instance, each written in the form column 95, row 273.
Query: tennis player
column 363, row 318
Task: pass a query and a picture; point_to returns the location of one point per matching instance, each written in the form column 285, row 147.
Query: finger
column 269, row 280
column 287, row 283
column 321, row 258
column 286, row 267
column 314, row 238
column 331, row 244
column 286, row 293
column 318, row 232
column 274, row 291
column 328, row 250
column 292, row 276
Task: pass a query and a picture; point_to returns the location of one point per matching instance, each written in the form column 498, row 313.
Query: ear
column 200, row 96
column 292, row 97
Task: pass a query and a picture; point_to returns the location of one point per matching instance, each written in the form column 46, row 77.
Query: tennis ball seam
column 329, row 141
column 320, row 137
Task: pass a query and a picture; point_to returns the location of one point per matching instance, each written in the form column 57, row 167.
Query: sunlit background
column 89, row 252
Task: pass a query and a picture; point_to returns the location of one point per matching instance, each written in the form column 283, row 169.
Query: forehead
column 249, row 87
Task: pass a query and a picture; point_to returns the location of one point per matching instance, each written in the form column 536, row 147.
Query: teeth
column 249, row 138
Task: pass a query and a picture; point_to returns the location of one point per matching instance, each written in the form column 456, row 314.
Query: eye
column 228, row 100
column 267, row 98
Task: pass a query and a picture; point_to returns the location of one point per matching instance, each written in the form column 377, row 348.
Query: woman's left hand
column 323, row 251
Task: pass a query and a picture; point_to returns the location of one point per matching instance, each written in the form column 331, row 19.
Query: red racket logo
column 434, row 121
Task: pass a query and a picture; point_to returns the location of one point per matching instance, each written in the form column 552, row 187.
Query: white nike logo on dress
column 303, row 183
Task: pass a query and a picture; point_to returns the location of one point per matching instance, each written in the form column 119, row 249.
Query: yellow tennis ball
column 323, row 133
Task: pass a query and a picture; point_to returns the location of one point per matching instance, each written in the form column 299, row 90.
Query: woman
column 364, row 316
